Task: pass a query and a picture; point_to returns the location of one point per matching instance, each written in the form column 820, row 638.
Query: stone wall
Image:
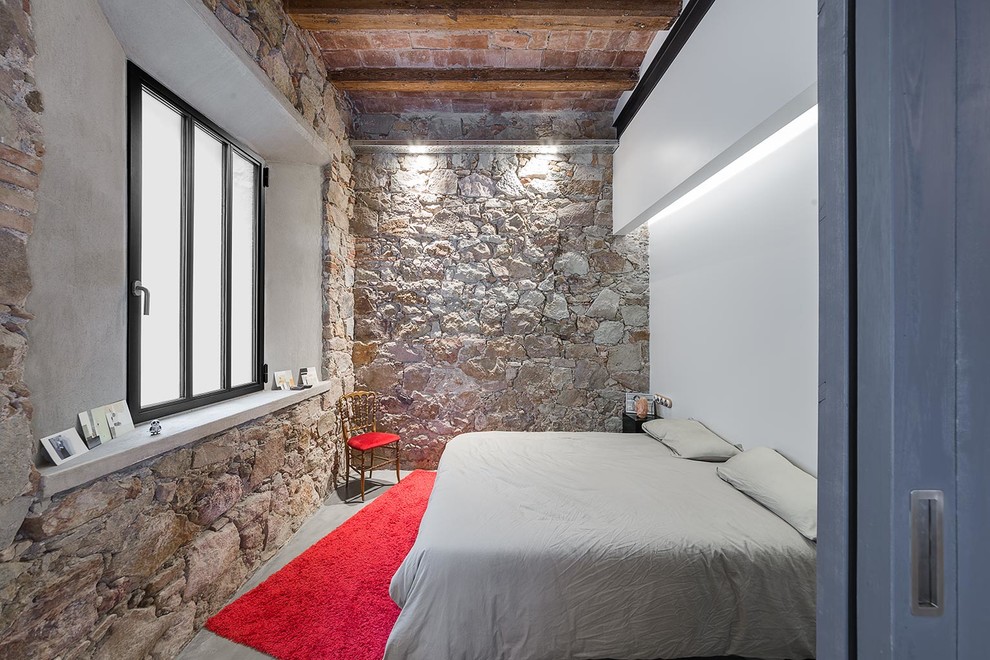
column 491, row 295
column 131, row 566
column 21, row 150
column 338, row 272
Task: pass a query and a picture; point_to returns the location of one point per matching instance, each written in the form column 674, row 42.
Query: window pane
column 242, row 276
column 161, row 256
column 207, row 281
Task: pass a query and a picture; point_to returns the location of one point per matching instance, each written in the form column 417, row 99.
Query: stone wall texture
column 131, row 566
column 21, row 151
column 490, row 294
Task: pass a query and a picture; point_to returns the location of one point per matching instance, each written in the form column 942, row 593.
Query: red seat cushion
column 367, row 441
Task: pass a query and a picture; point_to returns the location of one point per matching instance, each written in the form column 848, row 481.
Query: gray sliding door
column 973, row 330
column 920, row 332
column 906, row 334
column 906, row 339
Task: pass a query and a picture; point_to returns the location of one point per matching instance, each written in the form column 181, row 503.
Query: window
column 196, row 205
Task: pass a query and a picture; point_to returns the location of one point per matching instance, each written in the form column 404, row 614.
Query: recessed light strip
column 793, row 118
column 799, row 125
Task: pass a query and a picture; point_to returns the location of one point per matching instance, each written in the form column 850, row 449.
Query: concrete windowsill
column 177, row 431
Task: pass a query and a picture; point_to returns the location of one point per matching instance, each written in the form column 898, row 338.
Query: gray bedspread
column 552, row 546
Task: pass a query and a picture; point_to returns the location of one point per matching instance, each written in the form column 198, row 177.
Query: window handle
column 136, row 290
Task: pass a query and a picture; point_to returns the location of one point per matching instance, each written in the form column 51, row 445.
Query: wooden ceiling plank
column 326, row 23
column 541, row 86
column 546, row 7
column 626, row 15
column 484, row 80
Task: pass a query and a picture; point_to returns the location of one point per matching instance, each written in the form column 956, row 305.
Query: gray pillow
column 689, row 438
column 777, row 484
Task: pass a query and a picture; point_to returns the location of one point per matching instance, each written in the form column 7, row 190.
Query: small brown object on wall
column 359, row 424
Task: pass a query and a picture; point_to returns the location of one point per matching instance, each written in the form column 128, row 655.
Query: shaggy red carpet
column 332, row 600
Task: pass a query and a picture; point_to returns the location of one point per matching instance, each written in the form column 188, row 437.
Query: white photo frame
column 63, row 446
column 94, row 424
column 119, row 418
column 309, row 376
column 284, row 380
column 90, row 436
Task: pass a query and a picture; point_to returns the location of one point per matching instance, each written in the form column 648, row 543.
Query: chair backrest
column 358, row 413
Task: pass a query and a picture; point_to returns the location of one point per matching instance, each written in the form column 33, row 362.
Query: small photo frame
column 118, row 418
column 284, row 380
column 95, row 429
column 631, row 400
column 90, row 436
column 63, row 446
column 309, row 376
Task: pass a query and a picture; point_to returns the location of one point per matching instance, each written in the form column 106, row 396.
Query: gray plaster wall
column 77, row 254
column 293, row 267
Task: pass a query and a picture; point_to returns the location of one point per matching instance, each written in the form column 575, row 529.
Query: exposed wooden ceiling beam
column 484, row 80
column 483, row 14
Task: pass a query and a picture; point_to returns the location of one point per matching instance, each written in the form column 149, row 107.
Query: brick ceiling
column 393, row 56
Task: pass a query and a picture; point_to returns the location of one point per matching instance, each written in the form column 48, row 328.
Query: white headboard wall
column 734, row 305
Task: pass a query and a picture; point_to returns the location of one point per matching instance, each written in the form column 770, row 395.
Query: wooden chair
column 358, row 422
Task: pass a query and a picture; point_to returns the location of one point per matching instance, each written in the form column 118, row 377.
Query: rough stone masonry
column 130, row 566
column 21, row 152
column 490, row 294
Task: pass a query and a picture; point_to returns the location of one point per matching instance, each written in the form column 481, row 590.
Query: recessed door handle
column 136, row 290
column 927, row 553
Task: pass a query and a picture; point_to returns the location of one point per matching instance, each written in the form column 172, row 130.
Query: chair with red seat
column 359, row 424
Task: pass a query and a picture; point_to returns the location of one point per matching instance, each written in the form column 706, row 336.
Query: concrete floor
column 207, row 646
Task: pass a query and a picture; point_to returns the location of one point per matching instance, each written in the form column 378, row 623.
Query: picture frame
column 283, row 380
column 87, row 429
column 118, row 416
column 309, row 376
column 631, row 397
column 63, row 446
column 95, row 428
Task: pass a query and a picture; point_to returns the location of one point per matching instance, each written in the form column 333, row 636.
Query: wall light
column 786, row 134
column 538, row 165
column 422, row 162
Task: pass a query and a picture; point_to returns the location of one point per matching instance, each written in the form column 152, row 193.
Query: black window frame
column 137, row 81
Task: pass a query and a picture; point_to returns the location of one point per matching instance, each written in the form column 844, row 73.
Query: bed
column 547, row 546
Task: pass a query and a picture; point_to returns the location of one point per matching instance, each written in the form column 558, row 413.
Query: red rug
column 332, row 600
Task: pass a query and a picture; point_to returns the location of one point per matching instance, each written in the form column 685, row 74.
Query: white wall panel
column 734, row 305
column 744, row 62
